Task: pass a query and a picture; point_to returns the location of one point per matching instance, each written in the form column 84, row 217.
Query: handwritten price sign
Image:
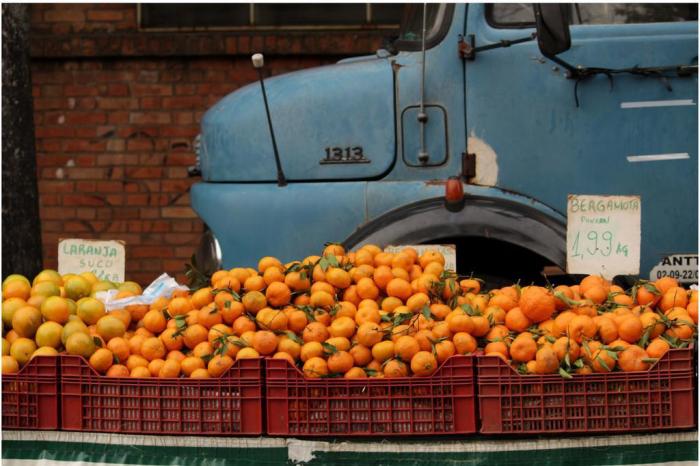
column 603, row 235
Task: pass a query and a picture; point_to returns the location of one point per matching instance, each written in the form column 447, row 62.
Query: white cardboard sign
column 603, row 235
column 447, row 250
column 106, row 259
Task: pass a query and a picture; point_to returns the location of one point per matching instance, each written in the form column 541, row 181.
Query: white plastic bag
column 163, row 286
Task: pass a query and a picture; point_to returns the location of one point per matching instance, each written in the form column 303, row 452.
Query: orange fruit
column 179, row 306
column 355, row 373
column 399, row 288
column 631, row 359
column 135, row 360
column 406, row 347
column 273, row 275
column 395, row 368
column 90, row 310
column 9, row 365
column 80, row 344
column 170, row 340
column 49, row 334
column 564, row 345
column 665, row 284
column 176, row 355
column 580, row 328
column 464, row 343
column 630, row 329
column 101, row 360
column 361, row 354
column 546, row 361
column 190, row 364
column 140, row 372
column 203, row 349
column 278, row 294
column 657, row 348
column 55, row 308
column 338, row 277
column 109, row 327
column 537, row 303
column 517, row 321
column 310, row 350
column 366, row 289
column 195, row 334
column 289, row 346
column 423, row 364
column 340, row 362
column 315, row 331
column 152, row 348
column 253, row 301
column 315, row 367
column 26, row 320
column 267, row 262
column 652, row 319
column 254, row 283
column 118, row 370
column 523, row 348
column 673, row 297
column 170, row 369
column 383, row 350
column 342, row 327
column 22, row 349
column 367, row 314
column 135, row 343
column 155, row 366
column 444, row 350
column 264, row 342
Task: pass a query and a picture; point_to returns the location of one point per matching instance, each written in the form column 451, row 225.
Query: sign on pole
column 603, row 235
column 106, row 259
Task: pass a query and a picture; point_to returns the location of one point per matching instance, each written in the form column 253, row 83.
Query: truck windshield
column 411, row 32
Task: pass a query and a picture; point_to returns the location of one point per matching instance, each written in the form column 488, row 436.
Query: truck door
column 628, row 135
column 440, row 92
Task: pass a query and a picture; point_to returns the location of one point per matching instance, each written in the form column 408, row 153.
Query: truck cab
column 367, row 144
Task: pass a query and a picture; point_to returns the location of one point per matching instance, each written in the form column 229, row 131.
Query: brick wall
column 116, row 110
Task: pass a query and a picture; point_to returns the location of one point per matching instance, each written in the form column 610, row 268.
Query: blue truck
column 522, row 104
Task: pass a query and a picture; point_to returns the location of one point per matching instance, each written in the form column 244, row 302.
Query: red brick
column 180, row 131
column 142, row 90
column 181, row 238
column 117, row 89
column 150, row 251
column 83, row 200
column 144, row 172
column 116, row 145
column 183, row 102
column 75, row 227
column 137, row 199
column 118, row 118
column 85, row 132
column 44, row 132
column 56, row 213
column 158, row 226
column 151, row 103
column 115, row 199
column 117, row 103
column 176, row 172
column 176, row 186
column 149, row 118
column 183, row 118
column 105, row 15
column 139, row 145
column 185, row 159
column 73, row 90
column 110, row 186
column 151, row 159
column 85, row 118
column 51, row 90
column 150, row 212
column 83, row 213
column 85, row 103
column 182, row 226
column 49, row 145
column 64, row 14
column 84, row 145
column 46, row 160
column 85, row 186
column 49, row 199
column 85, row 173
column 56, row 186
column 178, row 212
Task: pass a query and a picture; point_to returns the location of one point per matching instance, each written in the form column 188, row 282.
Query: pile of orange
column 366, row 313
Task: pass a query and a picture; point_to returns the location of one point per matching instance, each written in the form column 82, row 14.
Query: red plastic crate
column 659, row 399
column 228, row 405
column 443, row 403
column 30, row 397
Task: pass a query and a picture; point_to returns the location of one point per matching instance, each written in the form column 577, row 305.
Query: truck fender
column 502, row 219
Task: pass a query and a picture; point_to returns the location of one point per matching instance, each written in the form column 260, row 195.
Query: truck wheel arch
column 493, row 218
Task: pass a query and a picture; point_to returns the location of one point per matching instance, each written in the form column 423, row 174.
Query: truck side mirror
column 552, row 22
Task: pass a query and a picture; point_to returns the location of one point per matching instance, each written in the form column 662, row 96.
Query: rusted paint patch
column 486, row 161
